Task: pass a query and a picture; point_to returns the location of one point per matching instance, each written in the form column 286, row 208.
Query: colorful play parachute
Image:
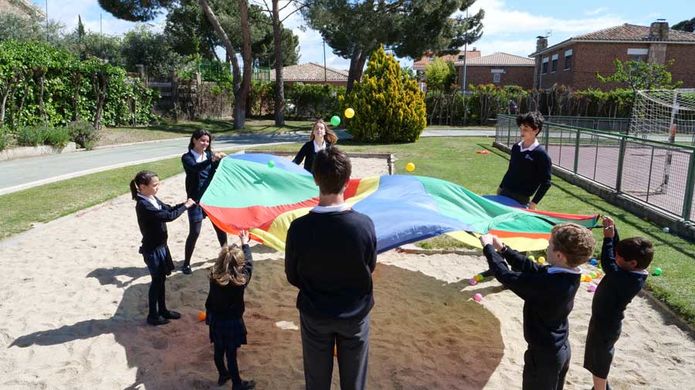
column 265, row 193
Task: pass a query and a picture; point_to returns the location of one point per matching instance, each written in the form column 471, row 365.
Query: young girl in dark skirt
column 225, row 309
column 153, row 214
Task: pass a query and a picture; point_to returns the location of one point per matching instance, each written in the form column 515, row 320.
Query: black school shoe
column 155, row 321
column 186, row 269
column 223, row 379
column 171, row 315
column 245, row 385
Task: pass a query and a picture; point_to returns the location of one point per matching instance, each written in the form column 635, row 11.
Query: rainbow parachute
column 265, row 193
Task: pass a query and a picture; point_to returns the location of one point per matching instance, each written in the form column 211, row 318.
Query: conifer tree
column 389, row 106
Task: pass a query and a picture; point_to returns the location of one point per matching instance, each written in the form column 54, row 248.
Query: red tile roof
column 310, row 72
column 498, row 59
column 624, row 33
column 632, row 32
column 423, row 61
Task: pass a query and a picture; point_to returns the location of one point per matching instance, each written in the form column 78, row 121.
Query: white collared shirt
column 318, row 148
column 152, row 200
column 331, row 209
column 199, row 157
column 530, row 148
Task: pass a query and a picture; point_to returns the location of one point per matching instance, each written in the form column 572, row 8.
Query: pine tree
column 389, row 106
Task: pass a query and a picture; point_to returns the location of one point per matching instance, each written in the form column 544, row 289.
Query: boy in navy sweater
column 624, row 263
column 548, row 293
column 529, row 169
column 330, row 256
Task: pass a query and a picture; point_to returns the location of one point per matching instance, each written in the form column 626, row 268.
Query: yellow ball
column 349, row 113
column 409, row 167
column 541, row 260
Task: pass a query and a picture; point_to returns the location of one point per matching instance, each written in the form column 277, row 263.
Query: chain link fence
column 656, row 173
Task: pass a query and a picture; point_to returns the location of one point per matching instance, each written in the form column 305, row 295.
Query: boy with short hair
column 529, row 171
column 625, row 263
column 330, row 256
column 548, row 293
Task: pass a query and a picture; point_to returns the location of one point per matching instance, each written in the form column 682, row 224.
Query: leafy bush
column 313, row 100
column 83, row 134
column 57, row 137
column 32, row 135
column 389, row 105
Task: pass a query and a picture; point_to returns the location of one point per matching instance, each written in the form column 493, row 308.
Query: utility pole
column 46, row 20
column 325, row 77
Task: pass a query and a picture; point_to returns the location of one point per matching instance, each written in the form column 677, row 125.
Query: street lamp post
column 325, row 77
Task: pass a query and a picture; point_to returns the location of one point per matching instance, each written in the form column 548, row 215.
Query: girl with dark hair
column 153, row 215
column 200, row 164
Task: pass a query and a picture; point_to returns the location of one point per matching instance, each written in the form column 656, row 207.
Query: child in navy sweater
column 624, row 263
column 529, row 171
column 153, row 215
column 548, row 293
column 225, row 309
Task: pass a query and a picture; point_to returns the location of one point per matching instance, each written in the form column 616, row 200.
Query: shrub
column 57, row 137
column 32, row 135
column 83, row 134
column 389, row 105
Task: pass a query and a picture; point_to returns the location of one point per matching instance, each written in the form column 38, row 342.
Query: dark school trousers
column 545, row 369
column 351, row 338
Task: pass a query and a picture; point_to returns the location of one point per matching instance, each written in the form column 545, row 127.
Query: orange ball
column 202, row 315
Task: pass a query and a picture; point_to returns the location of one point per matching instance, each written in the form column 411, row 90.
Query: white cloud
column 501, row 18
column 595, row 11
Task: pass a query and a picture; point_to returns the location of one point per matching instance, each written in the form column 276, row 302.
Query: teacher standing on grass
column 200, row 164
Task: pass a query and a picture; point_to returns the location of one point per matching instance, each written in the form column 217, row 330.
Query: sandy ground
column 73, row 307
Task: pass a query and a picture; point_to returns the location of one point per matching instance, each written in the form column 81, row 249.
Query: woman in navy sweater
column 200, row 164
column 321, row 138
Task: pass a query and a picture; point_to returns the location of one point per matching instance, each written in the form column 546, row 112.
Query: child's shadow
column 424, row 333
column 159, row 353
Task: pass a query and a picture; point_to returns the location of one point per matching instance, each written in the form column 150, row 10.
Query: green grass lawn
column 165, row 130
column 453, row 159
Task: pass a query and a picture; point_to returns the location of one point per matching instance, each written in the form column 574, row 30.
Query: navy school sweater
column 529, row 172
column 227, row 302
column 330, row 257
column 548, row 296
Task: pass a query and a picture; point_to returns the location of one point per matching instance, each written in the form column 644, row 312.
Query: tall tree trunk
column 101, row 83
column 239, row 98
column 279, row 63
column 359, row 57
column 242, row 96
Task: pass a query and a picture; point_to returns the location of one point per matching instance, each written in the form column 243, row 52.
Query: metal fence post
column 689, row 183
column 621, row 159
column 576, row 151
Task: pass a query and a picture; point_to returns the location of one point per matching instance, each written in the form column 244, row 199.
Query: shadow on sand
column 426, row 334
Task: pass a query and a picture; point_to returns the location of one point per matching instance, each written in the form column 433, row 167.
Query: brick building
column 575, row 61
column 498, row 68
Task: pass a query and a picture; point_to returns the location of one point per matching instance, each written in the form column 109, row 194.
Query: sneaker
column 171, row 315
column 155, row 321
column 244, row 385
column 186, row 269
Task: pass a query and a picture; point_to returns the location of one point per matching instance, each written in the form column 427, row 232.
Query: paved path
column 25, row 173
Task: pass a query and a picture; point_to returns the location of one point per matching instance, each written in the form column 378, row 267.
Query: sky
column 509, row 26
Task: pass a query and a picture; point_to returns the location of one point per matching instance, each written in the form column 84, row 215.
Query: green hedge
column 41, row 84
